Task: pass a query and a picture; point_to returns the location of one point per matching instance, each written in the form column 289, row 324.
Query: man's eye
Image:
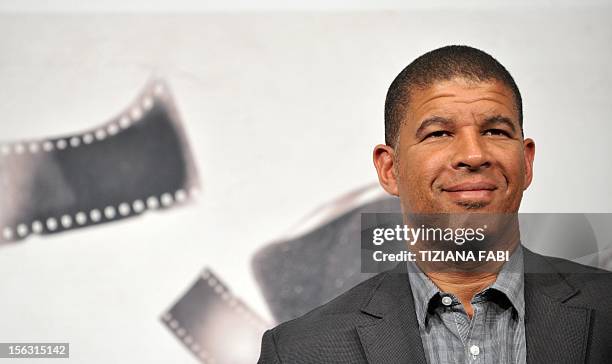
column 437, row 134
column 496, row 132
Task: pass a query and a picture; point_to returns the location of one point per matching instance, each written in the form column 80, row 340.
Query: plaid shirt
column 496, row 332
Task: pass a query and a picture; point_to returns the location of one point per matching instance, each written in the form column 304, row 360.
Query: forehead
column 461, row 96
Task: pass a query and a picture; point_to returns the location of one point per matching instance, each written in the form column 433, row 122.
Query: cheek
column 420, row 170
column 513, row 168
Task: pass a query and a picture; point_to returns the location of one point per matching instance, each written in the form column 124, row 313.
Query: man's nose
column 470, row 152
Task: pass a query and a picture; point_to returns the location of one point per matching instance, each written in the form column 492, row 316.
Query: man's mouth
column 475, row 190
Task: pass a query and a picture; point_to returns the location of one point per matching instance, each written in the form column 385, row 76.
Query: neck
column 465, row 279
column 463, row 285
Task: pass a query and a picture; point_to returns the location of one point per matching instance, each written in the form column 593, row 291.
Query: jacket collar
column 394, row 336
column 556, row 331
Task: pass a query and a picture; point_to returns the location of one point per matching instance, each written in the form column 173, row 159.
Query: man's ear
column 529, row 151
column 384, row 162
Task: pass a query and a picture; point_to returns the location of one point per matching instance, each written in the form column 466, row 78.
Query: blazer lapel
column 555, row 331
column 393, row 336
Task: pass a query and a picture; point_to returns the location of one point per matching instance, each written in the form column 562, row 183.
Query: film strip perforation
column 134, row 113
column 208, row 284
column 94, row 216
column 225, row 294
column 186, row 339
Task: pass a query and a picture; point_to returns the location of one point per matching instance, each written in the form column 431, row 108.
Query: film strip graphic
column 214, row 325
column 140, row 160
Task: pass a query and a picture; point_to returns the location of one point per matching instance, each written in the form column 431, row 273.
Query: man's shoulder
column 592, row 284
column 325, row 334
column 569, row 268
column 344, row 310
column 348, row 303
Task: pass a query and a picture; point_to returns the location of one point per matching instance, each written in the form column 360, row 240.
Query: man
column 454, row 144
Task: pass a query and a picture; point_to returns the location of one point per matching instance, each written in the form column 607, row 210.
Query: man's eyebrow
column 432, row 121
column 499, row 119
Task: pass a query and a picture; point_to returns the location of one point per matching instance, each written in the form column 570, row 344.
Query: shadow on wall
column 303, row 271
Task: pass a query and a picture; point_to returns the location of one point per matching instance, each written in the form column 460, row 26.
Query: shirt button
column 447, row 301
column 474, row 350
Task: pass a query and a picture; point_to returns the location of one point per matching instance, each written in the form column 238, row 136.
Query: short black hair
column 440, row 65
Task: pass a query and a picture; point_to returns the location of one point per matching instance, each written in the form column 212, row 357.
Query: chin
column 484, row 207
column 472, row 205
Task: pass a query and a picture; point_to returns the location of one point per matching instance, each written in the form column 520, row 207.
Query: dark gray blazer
column 568, row 319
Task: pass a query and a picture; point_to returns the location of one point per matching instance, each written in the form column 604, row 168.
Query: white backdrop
column 282, row 110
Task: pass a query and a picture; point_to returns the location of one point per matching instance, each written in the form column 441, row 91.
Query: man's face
column 460, row 149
